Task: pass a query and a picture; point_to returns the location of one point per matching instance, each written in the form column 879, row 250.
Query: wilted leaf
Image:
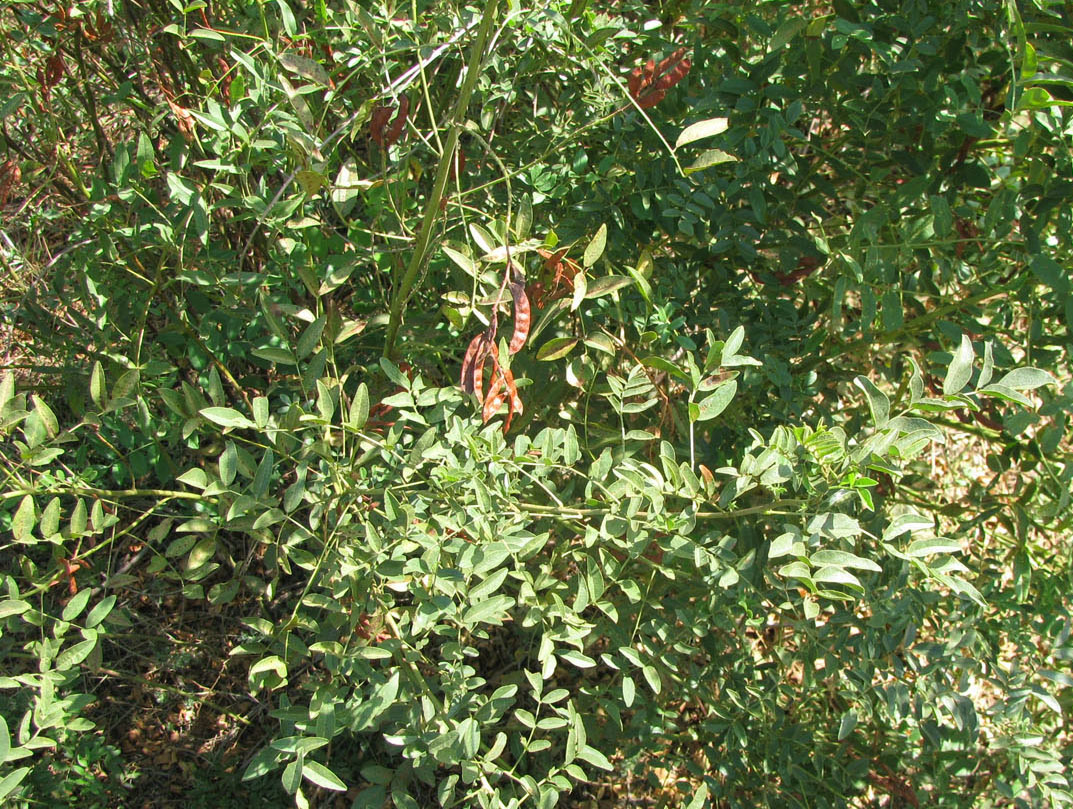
column 310, row 181
column 306, row 68
column 606, row 285
column 595, row 248
column 717, row 401
column 556, row 348
column 709, row 158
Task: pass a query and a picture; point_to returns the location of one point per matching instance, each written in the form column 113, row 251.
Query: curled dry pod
column 552, row 260
column 503, row 389
column 523, row 313
column 537, row 293
column 494, row 400
column 515, row 400
column 641, row 78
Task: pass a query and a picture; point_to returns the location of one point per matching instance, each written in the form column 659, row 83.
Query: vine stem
column 439, row 185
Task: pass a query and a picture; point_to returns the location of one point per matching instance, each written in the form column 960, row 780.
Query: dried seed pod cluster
column 482, row 349
column 648, row 85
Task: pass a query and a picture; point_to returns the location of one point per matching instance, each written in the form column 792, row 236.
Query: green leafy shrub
column 739, row 310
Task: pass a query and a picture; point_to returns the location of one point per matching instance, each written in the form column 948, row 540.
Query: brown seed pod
column 515, row 401
column 381, row 131
column 473, row 364
column 523, row 313
column 494, row 400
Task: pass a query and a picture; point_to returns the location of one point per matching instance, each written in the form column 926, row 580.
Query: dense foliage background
column 585, row 405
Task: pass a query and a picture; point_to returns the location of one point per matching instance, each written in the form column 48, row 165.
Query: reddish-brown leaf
column 184, row 119
column 10, row 174
column 458, row 165
column 651, row 99
column 54, row 70
column 806, row 265
column 380, row 117
column 673, row 59
column 537, row 293
column 679, row 72
column 394, row 132
column 649, row 85
column 101, row 30
column 523, row 314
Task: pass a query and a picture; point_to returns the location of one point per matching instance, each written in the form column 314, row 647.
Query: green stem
column 432, row 207
column 104, row 493
column 567, row 513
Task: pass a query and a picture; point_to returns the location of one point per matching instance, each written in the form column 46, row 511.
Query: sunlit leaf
column 700, row 130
